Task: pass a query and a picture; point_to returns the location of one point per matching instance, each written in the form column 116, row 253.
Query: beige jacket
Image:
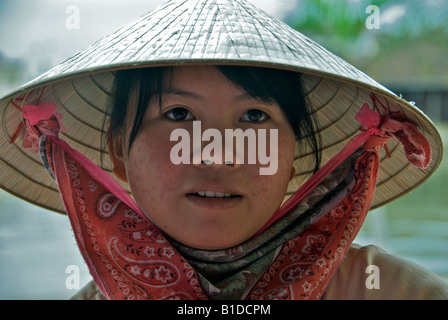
column 367, row 273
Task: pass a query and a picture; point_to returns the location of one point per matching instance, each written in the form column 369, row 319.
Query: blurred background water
column 36, row 247
column 404, row 48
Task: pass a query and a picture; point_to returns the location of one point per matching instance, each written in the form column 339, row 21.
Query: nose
column 215, row 154
column 212, row 149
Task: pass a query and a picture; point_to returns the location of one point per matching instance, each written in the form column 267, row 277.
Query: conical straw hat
column 192, row 32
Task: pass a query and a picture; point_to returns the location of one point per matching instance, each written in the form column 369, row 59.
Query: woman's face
column 186, row 200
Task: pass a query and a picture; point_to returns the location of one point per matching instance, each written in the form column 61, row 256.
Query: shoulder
column 371, row 273
column 89, row 292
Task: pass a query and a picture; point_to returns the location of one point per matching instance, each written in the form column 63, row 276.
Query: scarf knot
column 39, row 120
column 381, row 128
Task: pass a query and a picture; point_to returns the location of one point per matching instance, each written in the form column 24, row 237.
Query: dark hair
column 266, row 84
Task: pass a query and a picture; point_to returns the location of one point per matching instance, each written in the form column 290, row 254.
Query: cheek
column 150, row 172
column 271, row 189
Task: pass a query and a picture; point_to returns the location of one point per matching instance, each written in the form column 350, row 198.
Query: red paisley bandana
column 131, row 259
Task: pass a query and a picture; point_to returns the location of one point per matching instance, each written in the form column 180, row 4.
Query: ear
column 293, row 173
column 116, row 155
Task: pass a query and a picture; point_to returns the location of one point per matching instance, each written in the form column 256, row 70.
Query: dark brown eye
column 255, row 115
column 179, row 114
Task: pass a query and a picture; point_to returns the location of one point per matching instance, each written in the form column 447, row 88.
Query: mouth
column 213, row 200
column 214, row 194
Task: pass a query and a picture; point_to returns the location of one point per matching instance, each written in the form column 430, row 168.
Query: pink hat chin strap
column 376, row 129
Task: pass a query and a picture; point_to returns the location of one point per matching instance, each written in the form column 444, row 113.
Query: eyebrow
column 180, row 92
column 193, row 95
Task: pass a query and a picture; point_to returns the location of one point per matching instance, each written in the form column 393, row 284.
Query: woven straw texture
column 231, row 32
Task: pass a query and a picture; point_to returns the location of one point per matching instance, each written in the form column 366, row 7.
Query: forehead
column 203, row 78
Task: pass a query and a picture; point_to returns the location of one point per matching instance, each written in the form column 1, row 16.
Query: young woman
column 163, row 103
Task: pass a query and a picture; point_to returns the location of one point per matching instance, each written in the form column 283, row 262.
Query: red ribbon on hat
column 41, row 119
column 416, row 146
column 38, row 119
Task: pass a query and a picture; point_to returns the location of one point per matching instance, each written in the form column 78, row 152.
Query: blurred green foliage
column 413, row 31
